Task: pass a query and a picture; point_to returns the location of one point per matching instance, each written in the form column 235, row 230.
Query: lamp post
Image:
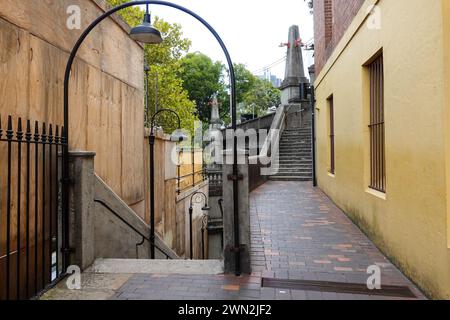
column 147, row 34
column 305, row 90
column 205, row 220
column 177, row 137
column 191, row 211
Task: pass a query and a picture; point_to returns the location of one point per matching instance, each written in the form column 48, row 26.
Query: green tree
column 261, row 97
column 165, row 64
column 245, row 81
column 202, row 78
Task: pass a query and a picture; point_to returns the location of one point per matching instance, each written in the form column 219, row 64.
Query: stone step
column 295, row 146
column 294, row 163
column 302, row 162
column 294, row 159
column 304, row 147
column 134, row 266
column 295, row 138
column 295, row 154
column 295, row 143
column 298, row 130
column 294, row 171
column 294, row 166
column 293, row 174
column 299, row 141
column 295, row 135
column 299, row 151
column 295, row 150
column 291, row 178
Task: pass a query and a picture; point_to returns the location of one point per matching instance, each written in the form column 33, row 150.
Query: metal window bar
column 376, row 126
column 29, row 209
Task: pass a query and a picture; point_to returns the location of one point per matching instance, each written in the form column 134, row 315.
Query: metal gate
column 30, row 210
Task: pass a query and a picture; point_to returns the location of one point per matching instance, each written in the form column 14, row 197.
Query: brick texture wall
column 331, row 20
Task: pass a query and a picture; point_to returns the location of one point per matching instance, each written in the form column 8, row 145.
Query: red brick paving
column 297, row 233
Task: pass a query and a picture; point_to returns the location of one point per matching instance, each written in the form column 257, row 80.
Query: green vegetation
column 165, row 61
column 202, row 78
column 187, row 81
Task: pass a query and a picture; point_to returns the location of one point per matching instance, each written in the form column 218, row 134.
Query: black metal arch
column 152, row 122
column 65, row 167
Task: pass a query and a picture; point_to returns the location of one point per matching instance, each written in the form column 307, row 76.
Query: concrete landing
column 126, row 266
column 104, row 279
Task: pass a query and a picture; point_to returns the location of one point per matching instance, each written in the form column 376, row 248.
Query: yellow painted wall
column 410, row 223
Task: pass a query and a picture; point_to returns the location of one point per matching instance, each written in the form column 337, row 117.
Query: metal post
column 152, row 194
column 193, row 162
column 313, row 129
column 19, row 135
column 156, row 91
column 9, row 137
column 191, row 242
column 203, row 243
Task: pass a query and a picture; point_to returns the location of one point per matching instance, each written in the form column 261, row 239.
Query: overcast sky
column 251, row 29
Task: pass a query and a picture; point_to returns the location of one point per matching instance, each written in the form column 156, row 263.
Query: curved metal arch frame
column 152, row 122
column 65, row 167
column 191, row 203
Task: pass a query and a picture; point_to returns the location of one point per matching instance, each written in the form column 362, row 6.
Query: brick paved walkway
column 297, row 233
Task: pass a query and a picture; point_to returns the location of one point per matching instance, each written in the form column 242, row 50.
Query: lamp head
column 145, row 33
column 206, row 208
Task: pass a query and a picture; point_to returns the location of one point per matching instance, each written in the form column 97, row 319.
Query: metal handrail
column 191, row 174
column 133, row 228
column 194, row 183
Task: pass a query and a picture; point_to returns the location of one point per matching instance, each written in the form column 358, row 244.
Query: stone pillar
column 81, row 199
column 295, row 73
column 244, row 214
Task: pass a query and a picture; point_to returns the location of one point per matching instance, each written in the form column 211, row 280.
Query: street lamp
column 177, row 136
column 153, row 38
column 191, row 211
column 145, row 33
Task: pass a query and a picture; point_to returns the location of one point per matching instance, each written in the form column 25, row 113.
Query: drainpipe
column 313, row 129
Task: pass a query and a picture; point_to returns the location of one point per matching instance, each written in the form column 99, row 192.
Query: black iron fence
column 30, row 214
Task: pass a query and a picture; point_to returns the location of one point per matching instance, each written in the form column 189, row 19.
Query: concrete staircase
column 295, row 161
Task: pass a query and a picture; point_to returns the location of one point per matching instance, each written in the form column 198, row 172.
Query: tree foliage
column 202, row 78
column 165, row 66
column 261, row 97
column 186, row 82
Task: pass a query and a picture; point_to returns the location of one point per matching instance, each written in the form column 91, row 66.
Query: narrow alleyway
column 297, row 234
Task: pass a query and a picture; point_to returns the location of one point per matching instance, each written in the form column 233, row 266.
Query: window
column 328, row 7
column 331, row 134
column 376, row 126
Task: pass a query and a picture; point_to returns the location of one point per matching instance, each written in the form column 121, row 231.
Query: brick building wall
column 331, row 20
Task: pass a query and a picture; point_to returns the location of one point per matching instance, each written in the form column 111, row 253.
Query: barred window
column 331, row 134
column 376, row 126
